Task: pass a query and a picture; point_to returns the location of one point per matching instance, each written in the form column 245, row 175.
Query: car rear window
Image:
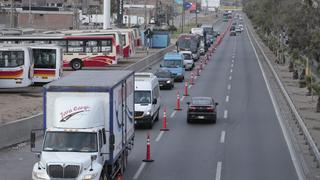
column 201, row 101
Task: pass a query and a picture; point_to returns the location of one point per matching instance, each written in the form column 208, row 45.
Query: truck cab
column 173, row 62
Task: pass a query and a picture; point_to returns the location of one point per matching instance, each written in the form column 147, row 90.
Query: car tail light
column 210, row 109
column 192, row 108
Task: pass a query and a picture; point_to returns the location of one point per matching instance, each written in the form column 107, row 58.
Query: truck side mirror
column 111, row 142
column 160, row 65
column 32, row 139
column 188, row 103
column 155, row 101
column 216, row 104
column 104, row 136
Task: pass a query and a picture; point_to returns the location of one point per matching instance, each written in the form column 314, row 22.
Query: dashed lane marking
column 229, row 86
column 218, row 171
column 227, row 98
column 223, row 137
column 141, row 167
column 159, row 136
column 173, row 113
column 225, row 115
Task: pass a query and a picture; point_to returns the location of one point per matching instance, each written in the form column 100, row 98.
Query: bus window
column 106, row 46
column 63, row 44
column 11, row 58
column 92, row 47
column 75, row 46
column 123, row 40
column 44, row 58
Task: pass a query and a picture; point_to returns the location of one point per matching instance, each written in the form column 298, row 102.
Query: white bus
column 48, row 62
column 16, row 66
column 128, row 37
column 78, row 51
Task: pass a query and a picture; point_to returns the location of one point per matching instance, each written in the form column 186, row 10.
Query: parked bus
column 129, row 42
column 48, row 62
column 79, row 51
column 16, row 66
column 137, row 34
column 109, row 32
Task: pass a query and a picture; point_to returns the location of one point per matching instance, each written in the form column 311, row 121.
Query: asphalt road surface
column 246, row 143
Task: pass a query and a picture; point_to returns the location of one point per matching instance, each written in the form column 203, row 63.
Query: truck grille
column 68, row 171
column 138, row 113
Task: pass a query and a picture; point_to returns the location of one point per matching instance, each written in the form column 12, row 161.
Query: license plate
column 160, row 84
column 200, row 117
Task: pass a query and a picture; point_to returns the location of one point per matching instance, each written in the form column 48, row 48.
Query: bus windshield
column 188, row 44
column 71, row 142
column 10, row 59
column 44, row 58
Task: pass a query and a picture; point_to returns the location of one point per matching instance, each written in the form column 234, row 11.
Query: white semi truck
column 89, row 126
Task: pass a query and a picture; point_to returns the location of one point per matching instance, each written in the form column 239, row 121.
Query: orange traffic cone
column 192, row 78
column 164, row 125
column 178, row 108
column 186, row 88
column 148, row 153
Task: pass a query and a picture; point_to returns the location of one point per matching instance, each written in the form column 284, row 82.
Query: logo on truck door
column 66, row 115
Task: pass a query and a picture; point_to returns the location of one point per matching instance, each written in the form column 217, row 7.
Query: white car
column 188, row 60
column 241, row 27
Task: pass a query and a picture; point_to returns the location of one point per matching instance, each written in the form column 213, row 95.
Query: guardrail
column 19, row 131
column 299, row 120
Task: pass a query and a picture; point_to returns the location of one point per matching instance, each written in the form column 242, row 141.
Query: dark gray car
column 202, row 109
column 165, row 78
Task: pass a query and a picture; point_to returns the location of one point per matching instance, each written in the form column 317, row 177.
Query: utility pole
column 11, row 14
column 196, row 13
column 29, row 18
column 182, row 16
column 145, row 14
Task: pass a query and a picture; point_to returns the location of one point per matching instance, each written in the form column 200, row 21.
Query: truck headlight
column 89, row 176
column 40, row 175
column 168, row 81
column 148, row 113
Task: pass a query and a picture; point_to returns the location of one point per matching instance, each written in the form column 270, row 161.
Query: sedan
column 165, row 78
column 202, row 109
column 233, row 33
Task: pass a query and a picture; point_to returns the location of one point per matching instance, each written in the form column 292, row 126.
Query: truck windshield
column 172, row 63
column 70, row 142
column 142, row 97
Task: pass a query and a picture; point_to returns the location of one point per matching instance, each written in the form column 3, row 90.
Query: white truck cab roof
column 145, row 81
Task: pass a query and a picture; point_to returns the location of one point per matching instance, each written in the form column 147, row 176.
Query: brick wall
column 46, row 21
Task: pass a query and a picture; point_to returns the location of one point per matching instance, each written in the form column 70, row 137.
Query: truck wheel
column 76, row 64
column 103, row 176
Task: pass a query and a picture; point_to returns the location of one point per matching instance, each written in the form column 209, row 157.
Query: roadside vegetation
column 291, row 29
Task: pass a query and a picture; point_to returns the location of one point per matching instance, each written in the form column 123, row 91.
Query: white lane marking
column 225, row 115
column 227, row 98
column 189, row 86
column 231, row 70
column 223, row 137
column 233, row 56
column 230, row 78
column 173, row 113
column 141, row 167
column 293, row 154
column 232, row 60
column 218, row 172
column 232, row 65
column 159, row 136
column 182, row 98
column 229, row 86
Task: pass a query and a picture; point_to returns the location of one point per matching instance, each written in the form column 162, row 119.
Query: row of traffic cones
column 186, row 93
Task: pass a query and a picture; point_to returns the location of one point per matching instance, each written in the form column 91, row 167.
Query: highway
column 246, row 143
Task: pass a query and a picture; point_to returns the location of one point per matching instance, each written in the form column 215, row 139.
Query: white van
column 146, row 99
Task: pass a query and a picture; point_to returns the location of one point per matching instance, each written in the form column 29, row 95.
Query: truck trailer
column 88, row 126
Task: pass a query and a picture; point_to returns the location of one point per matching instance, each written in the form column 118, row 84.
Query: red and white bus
column 78, row 51
column 16, row 66
column 110, row 32
column 48, row 62
column 128, row 38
